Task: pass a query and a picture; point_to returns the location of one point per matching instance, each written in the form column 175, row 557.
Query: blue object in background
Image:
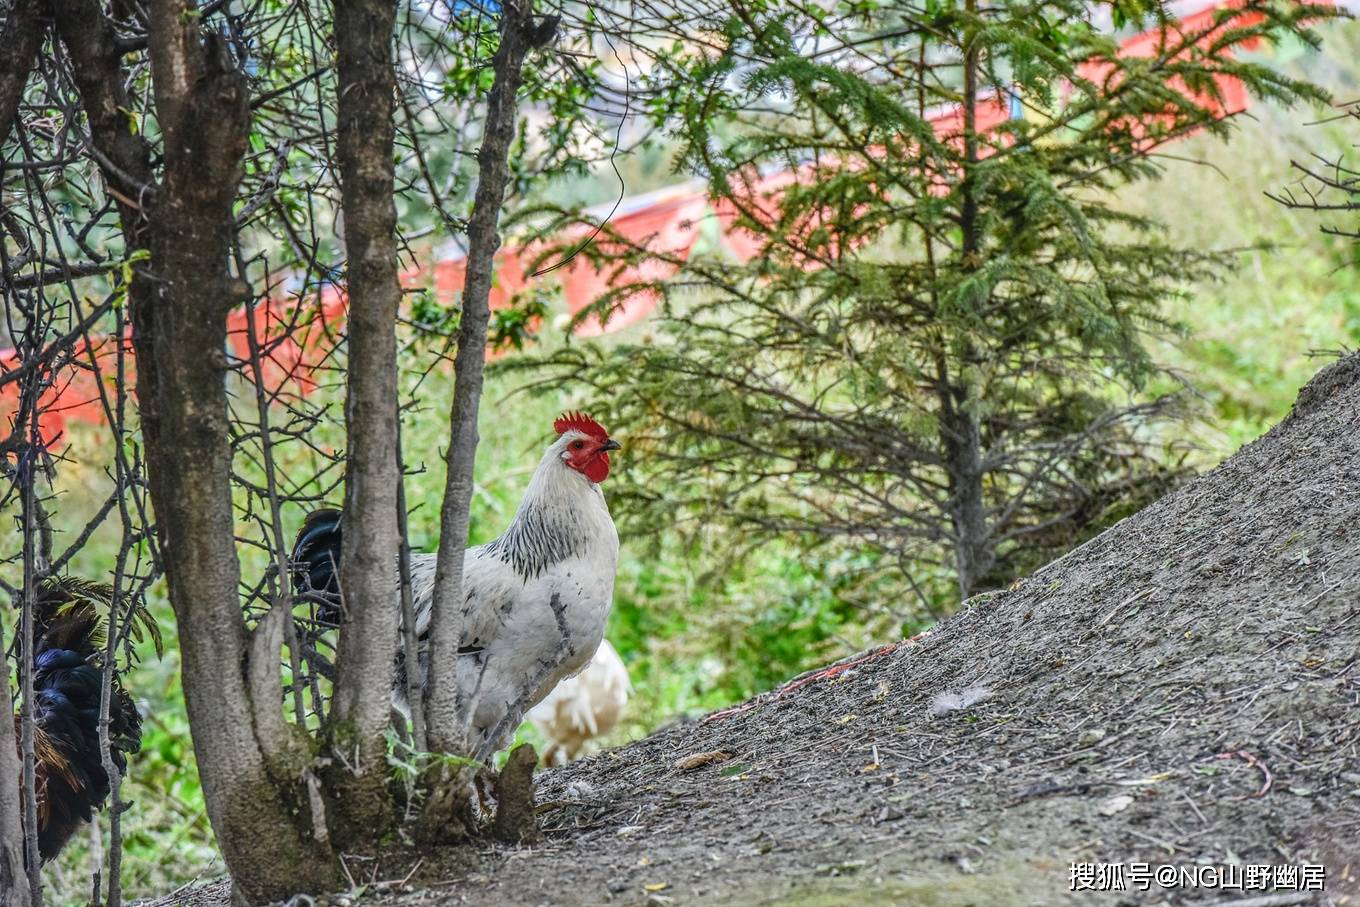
column 490, row 7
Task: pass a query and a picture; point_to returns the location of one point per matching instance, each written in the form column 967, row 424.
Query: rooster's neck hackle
column 562, row 515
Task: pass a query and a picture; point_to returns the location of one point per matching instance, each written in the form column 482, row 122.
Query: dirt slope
column 1182, row 689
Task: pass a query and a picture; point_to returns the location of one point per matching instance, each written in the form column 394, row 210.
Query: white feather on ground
column 583, row 707
column 954, row 701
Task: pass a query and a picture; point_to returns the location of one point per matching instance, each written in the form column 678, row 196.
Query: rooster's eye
column 578, row 444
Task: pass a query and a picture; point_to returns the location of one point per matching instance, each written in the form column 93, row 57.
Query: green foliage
column 704, row 615
column 941, row 350
column 1288, row 301
column 409, row 764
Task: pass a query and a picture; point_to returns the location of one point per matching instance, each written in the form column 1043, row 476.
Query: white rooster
column 552, row 570
column 583, row 707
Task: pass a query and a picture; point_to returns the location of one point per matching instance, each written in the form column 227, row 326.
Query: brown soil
column 1182, row 689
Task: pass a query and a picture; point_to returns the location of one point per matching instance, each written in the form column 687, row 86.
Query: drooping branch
column 520, row 34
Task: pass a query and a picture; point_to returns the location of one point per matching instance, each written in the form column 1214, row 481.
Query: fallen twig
column 1255, row 763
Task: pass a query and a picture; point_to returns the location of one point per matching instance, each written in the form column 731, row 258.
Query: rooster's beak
column 611, row 444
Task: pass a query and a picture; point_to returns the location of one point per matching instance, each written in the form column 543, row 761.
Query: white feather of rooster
column 583, row 707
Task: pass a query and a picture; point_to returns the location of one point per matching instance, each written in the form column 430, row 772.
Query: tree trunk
column 974, row 552
column 235, row 712
column 968, row 213
column 362, row 703
column 444, row 720
column 13, row 882
column 19, row 43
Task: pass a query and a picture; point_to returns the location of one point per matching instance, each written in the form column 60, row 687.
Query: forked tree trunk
column 249, row 759
column 361, row 706
column 178, row 303
column 232, row 685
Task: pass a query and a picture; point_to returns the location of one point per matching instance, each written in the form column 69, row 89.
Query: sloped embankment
column 1182, row 689
column 1198, row 659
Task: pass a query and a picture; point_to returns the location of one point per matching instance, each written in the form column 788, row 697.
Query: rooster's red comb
column 582, row 423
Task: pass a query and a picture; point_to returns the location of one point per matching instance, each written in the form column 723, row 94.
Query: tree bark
column 13, row 881
column 361, row 707
column 203, row 109
column 19, row 43
column 974, row 551
column 519, row 34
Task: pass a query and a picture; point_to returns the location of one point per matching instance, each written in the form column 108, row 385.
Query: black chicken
column 69, row 635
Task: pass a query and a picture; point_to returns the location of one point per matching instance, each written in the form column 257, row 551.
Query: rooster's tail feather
column 316, row 564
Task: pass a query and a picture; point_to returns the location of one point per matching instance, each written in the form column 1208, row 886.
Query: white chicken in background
column 537, row 596
column 584, row 707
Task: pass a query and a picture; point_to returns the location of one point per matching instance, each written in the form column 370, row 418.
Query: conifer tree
column 939, row 346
